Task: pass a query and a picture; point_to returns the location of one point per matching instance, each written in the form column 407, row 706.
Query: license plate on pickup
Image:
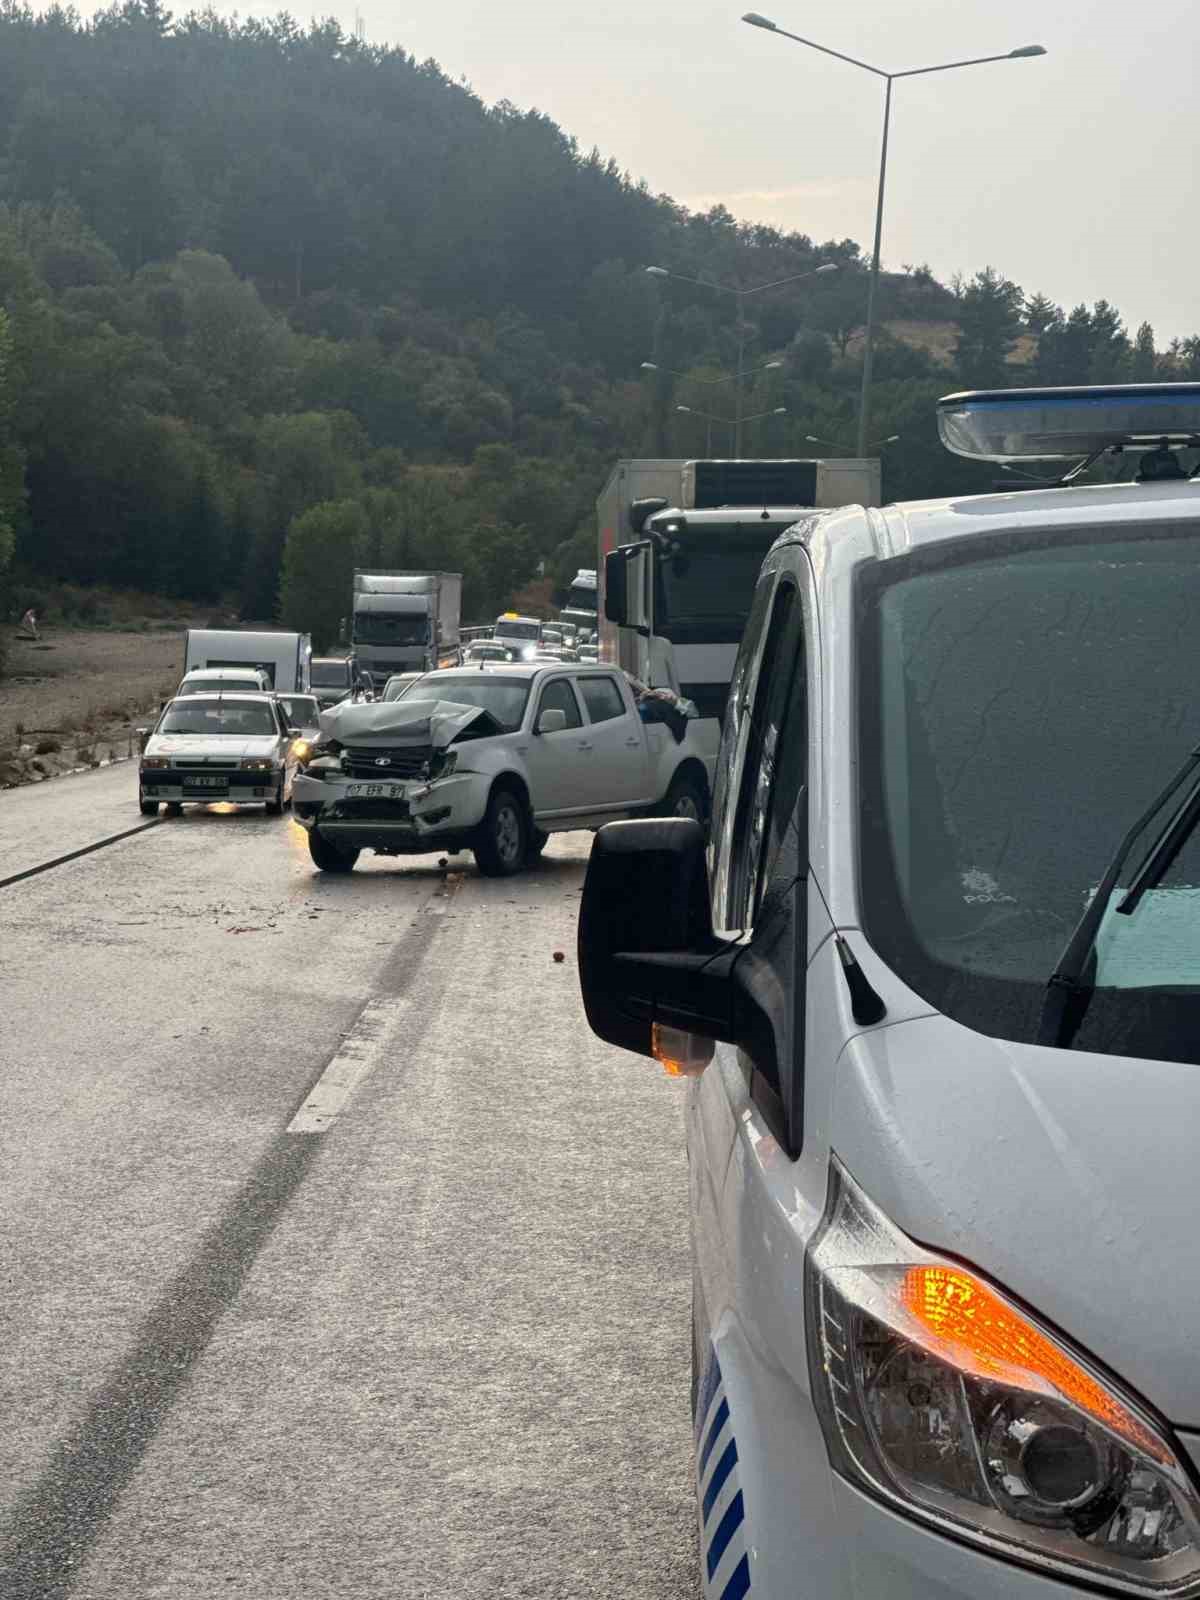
column 374, row 791
column 190, row 781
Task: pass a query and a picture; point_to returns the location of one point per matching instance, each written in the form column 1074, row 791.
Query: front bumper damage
column 410, row 818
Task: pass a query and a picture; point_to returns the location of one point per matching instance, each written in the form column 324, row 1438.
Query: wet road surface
column 340, row 1258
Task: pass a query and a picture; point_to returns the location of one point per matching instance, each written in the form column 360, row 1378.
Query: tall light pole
column 728, row 422
column 812, row 438
column 757, row 21
column 741, row 293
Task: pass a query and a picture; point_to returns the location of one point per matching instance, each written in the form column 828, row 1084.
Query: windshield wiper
column 1068, row 994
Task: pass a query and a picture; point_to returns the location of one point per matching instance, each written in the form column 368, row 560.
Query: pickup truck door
column 557, row 764
column 615, row 751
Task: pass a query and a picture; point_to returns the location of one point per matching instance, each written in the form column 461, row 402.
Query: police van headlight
column 940, row 1395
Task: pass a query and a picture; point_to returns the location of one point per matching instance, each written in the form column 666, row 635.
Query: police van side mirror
column 650, row 967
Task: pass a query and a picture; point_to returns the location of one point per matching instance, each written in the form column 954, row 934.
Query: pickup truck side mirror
column 650, row 967
column 552, row 720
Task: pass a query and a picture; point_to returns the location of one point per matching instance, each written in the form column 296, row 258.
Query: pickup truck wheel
column 537, row 843
column 327, row 856
column 148, row 808
column 685, row 798
column 502, row 843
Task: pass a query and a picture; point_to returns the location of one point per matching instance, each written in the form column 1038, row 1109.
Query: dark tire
column 174, row 808
column 687, row 797
column 327, row 856
column 148, row 808
column 537, row 843
column 501, row 845
column 275, row 807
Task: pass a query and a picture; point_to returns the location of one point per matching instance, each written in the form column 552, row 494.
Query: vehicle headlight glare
column 939, row 1395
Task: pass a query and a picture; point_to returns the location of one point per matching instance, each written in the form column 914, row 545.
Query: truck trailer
column 683, row 542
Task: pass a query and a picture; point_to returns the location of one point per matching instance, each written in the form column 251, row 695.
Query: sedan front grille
column 405, row 761
column 206, row 766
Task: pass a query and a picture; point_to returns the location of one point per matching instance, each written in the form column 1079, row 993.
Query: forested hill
column 248, row 270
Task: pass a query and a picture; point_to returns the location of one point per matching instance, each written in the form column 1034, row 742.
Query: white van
column 286, row 658
column 936, row 985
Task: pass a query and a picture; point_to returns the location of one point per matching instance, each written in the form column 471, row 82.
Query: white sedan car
column 231, row 747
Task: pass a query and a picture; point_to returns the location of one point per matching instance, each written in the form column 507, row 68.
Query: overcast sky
column 1074, row 174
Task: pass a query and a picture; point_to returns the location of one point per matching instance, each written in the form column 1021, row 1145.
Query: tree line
column 275, row 302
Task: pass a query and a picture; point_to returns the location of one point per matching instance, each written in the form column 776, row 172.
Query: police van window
column 602, row 699
column 559, row 696
column 774, row 771
column 737, row 709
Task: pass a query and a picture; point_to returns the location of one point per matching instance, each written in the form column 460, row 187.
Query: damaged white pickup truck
column 492, row 759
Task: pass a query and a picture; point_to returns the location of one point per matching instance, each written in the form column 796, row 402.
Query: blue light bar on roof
column 1066, row 424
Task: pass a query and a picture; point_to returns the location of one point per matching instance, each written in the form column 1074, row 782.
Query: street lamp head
column 649, row 366
column 779, row 411
column 772, row 366
column 757, row 21
column 830, row 266
column 658, row 272
column 688, row 409
column 1027, row 50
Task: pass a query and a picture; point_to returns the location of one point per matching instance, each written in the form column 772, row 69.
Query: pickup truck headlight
column 155, row 763
column 941, row 1396
column 258, row 764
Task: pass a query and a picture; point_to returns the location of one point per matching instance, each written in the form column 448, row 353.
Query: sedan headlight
column 940, row 1395
column 258, row 764
column 155, row 763
column 442, row 763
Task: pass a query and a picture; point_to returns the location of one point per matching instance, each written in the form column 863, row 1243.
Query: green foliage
column 251, row 271
column 324, row 545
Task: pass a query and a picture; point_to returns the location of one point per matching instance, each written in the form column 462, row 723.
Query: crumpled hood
column 422, row 722
column 211, row 747
column 1069, row 1179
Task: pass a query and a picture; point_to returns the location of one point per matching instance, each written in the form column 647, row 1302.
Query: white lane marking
column 361, row 1052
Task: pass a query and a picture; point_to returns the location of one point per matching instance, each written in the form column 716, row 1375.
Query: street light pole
column 757, row 21
column 740, row 293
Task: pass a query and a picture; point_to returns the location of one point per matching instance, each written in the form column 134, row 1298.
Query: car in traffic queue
column 521, row 634
column 488, row 650
column 338, row 678
column 237, row 748
column 302, row 712
column 398, row 685
column 224, row 680
column 493, row 760
column 935, row 988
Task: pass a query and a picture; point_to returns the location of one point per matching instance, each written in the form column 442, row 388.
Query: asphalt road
column 339, row 1258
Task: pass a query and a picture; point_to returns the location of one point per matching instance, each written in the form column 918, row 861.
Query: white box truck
column 286, row 658
column 405, row 621
column 683, row 541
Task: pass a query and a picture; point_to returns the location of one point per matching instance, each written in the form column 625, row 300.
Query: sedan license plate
column 374, row 791
column 191, row 781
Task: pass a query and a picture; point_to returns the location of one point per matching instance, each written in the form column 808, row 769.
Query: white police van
column 944, row 1154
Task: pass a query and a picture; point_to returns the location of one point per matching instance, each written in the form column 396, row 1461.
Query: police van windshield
column 704, row 592
column 1022, row 700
